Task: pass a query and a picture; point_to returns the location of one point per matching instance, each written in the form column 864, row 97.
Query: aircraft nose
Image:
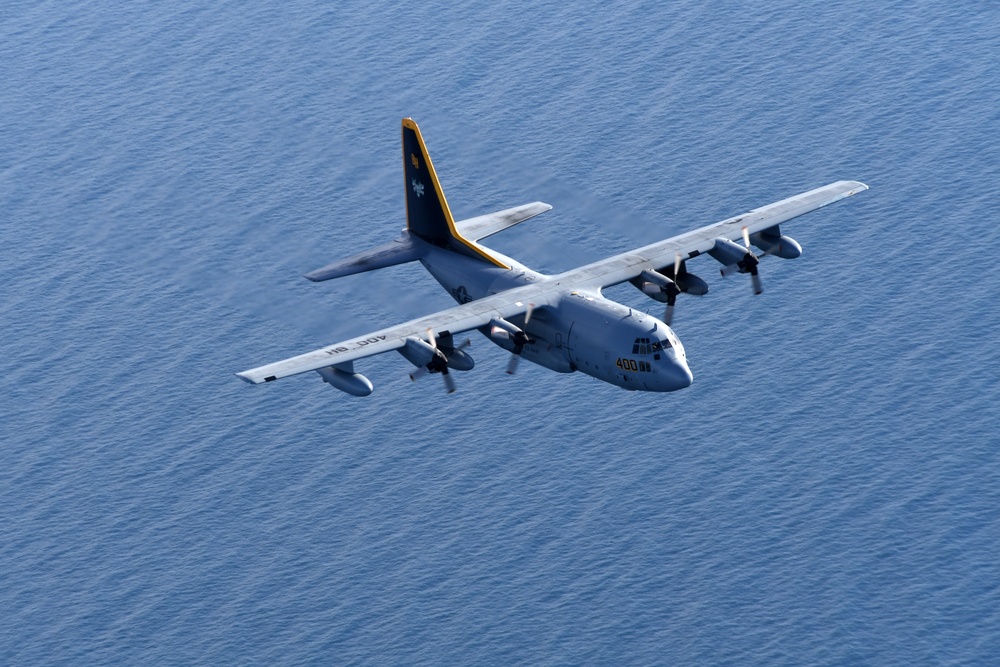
column 678, row 375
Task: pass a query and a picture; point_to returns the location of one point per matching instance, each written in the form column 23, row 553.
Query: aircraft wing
column 603, row 273
column 626, row 266
column 486, row 225
column 455, row 320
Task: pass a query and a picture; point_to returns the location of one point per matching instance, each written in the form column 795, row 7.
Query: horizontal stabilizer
column 486, row 225
column 400, row 251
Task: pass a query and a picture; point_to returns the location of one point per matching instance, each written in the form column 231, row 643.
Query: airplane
column 561, row 322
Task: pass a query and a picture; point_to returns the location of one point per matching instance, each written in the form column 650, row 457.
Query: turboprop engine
column 664, row 288
column 736, row 258
column 438, row 355
column 741, row 259
column 502, row 330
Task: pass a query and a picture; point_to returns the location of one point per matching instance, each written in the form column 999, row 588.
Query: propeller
column 672, row 291
column 751, row 261
column 437, row 364
column 501, row 329
column 746, row 265
column 520, row 339
column 662, row 287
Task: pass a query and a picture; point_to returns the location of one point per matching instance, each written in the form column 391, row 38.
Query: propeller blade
column 729, row 270
column 527, row 313
column 449, row 381
column 466, row 343
column 751, row 262
column 432, row 339
column 668, row 316
column 512, row 364
column 746, row 237
column 419, row 373
column 677, row 266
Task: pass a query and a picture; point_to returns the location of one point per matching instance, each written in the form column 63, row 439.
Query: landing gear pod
column 350, row 382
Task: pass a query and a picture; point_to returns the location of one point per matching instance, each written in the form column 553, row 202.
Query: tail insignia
column 427, row 214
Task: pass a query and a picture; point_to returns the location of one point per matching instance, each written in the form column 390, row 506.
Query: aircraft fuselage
column 561, row 322
column 582, row 331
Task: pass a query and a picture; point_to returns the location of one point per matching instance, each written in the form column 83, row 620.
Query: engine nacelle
column 417, row 352
column 691, row 284
column 775, row 244
column 459, row 360
column 352, row 383
column 728, row 253
column 501, row 329
column 654, row 285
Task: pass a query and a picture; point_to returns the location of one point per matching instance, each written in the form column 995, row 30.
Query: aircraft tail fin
column 427, row 213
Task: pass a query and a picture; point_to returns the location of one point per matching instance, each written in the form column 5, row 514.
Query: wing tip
column 246, row 377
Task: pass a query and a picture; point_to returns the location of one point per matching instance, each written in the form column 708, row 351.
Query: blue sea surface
column 827, row 492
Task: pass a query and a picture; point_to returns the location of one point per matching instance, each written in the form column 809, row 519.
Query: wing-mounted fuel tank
column 343, row 377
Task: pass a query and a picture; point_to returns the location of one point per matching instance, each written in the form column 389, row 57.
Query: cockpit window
column 644, row 346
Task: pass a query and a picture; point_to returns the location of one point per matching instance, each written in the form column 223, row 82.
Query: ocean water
column 825, row 493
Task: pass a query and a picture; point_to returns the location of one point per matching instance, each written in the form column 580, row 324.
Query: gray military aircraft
column 561, row 322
